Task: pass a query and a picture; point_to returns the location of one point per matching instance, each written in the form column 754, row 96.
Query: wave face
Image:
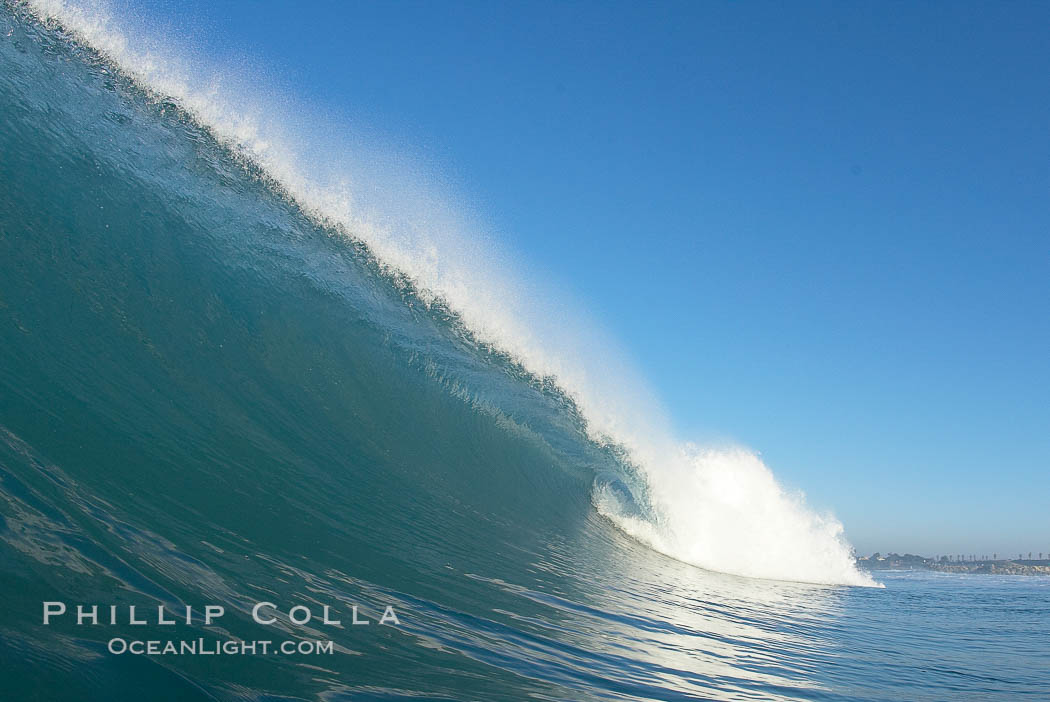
column 219, row 383
column 718, row 509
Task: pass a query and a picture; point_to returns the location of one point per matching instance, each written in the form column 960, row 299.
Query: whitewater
column 717, row 508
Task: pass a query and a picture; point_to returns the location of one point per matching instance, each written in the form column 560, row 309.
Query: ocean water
column 215, row 390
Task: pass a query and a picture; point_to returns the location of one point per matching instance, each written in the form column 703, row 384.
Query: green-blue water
column 206, row 399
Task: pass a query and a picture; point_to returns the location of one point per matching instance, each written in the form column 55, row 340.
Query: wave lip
column 718, row 509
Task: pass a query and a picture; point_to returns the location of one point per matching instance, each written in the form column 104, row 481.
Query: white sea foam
column 720, row 509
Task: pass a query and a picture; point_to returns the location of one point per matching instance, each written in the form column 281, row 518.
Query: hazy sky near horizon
column 821, row 231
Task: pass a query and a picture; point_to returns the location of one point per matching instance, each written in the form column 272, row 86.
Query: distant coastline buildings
column 960, row 563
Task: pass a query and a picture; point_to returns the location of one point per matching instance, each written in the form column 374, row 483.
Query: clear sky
column 820, row 230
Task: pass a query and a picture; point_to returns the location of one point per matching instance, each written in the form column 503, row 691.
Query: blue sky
column 822, row 231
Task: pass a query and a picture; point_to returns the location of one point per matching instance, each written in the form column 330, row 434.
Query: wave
column 719, row 509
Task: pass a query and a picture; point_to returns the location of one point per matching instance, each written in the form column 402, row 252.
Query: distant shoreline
column 895, row 561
